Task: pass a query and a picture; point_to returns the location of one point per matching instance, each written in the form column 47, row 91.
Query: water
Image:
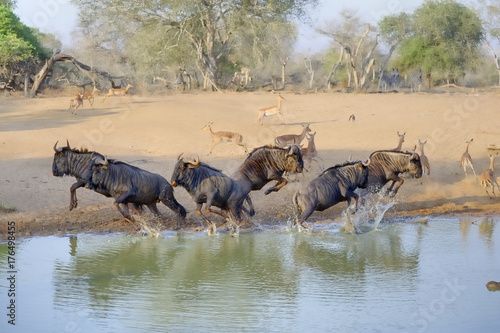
column 400, row 277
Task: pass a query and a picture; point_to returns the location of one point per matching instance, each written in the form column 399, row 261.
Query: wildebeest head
column 294, row 162
column 60, row 165
column 362, row 179
column 415, row 166
column 182, row 170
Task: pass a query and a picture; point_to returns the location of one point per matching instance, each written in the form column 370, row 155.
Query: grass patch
column 6, row 208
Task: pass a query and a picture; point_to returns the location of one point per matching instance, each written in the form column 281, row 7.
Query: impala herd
column 77, row 100
column 487, row 178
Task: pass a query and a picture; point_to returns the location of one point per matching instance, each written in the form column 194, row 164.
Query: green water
column 404, row 277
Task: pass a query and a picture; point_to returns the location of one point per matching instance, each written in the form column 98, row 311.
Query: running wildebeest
column 77, row 163
column 386, row 165
column 210, row 186
column 130, row 184
column 268, row 163
column 334, row 185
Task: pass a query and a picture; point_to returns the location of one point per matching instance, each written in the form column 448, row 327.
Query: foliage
column 17, row 41
column 10, row 4
column 445, row 37
column 193, row 31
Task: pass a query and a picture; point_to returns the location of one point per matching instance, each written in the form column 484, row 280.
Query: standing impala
column 271, row 111
column 292, row 139
column 117, row 91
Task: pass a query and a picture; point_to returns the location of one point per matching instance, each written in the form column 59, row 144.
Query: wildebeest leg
column 250, row 211
column 395, row 180
column 136, row 208
column 152, row 207
column 211, row 225
column 123, row 209
column 167, row 198
column 279, row 184
column 304, row 207
column 208, row 205
column 352, row 195
column 73, row 203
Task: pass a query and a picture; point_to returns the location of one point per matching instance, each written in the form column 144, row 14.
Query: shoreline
column 151, row 131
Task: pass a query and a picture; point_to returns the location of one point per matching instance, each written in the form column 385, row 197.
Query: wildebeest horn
column 179, row 157
column 57, row 150
column 104, row 162
column 367, row 163
column 195, row 163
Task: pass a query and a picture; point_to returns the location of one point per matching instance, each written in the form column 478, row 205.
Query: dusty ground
column 151, row 131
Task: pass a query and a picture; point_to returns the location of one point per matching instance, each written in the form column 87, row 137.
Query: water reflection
column 271, row 281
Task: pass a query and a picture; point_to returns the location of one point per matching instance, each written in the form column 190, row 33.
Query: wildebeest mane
column 341, row 165
column 259, row 149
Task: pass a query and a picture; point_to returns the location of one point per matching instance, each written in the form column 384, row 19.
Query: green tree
column 445, row 37
column 17, row 41
column 207, row 28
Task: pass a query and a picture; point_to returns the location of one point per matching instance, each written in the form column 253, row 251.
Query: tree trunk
column 283, row 65
column 495, row 59
column 48, row 67
column 334, row 68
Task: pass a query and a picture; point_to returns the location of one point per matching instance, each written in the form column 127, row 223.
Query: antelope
column 401, row 140
column 310, row 153
column 423, row 158
column 466, row 160
column 292, row 139
column 117, row 91
column 224, row 136
column 487, row 178
column 271, row 111
column 90, row 96
column 76, row 102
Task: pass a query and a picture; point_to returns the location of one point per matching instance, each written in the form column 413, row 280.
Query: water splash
column 369, row 214
column 212, row 229
column 148, row 228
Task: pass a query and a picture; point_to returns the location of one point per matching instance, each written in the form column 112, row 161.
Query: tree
column 490, row 11
column 208, row 27
column 357, row 46
column 393, row 30
column 445, row 37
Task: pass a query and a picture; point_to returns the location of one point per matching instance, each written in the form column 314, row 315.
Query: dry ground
column 151, row 131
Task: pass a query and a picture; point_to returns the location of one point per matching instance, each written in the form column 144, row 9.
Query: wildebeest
column 334, row 185
column 210, row 186
column 76, row 163
column 391, row 79
column 386, row 165
column 130, row 184
column 268, row 163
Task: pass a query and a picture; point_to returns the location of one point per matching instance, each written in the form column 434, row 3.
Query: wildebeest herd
column 229, row 196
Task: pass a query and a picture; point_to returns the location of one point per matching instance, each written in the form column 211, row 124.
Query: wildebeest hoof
column 267, row 191
column 493, row 286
